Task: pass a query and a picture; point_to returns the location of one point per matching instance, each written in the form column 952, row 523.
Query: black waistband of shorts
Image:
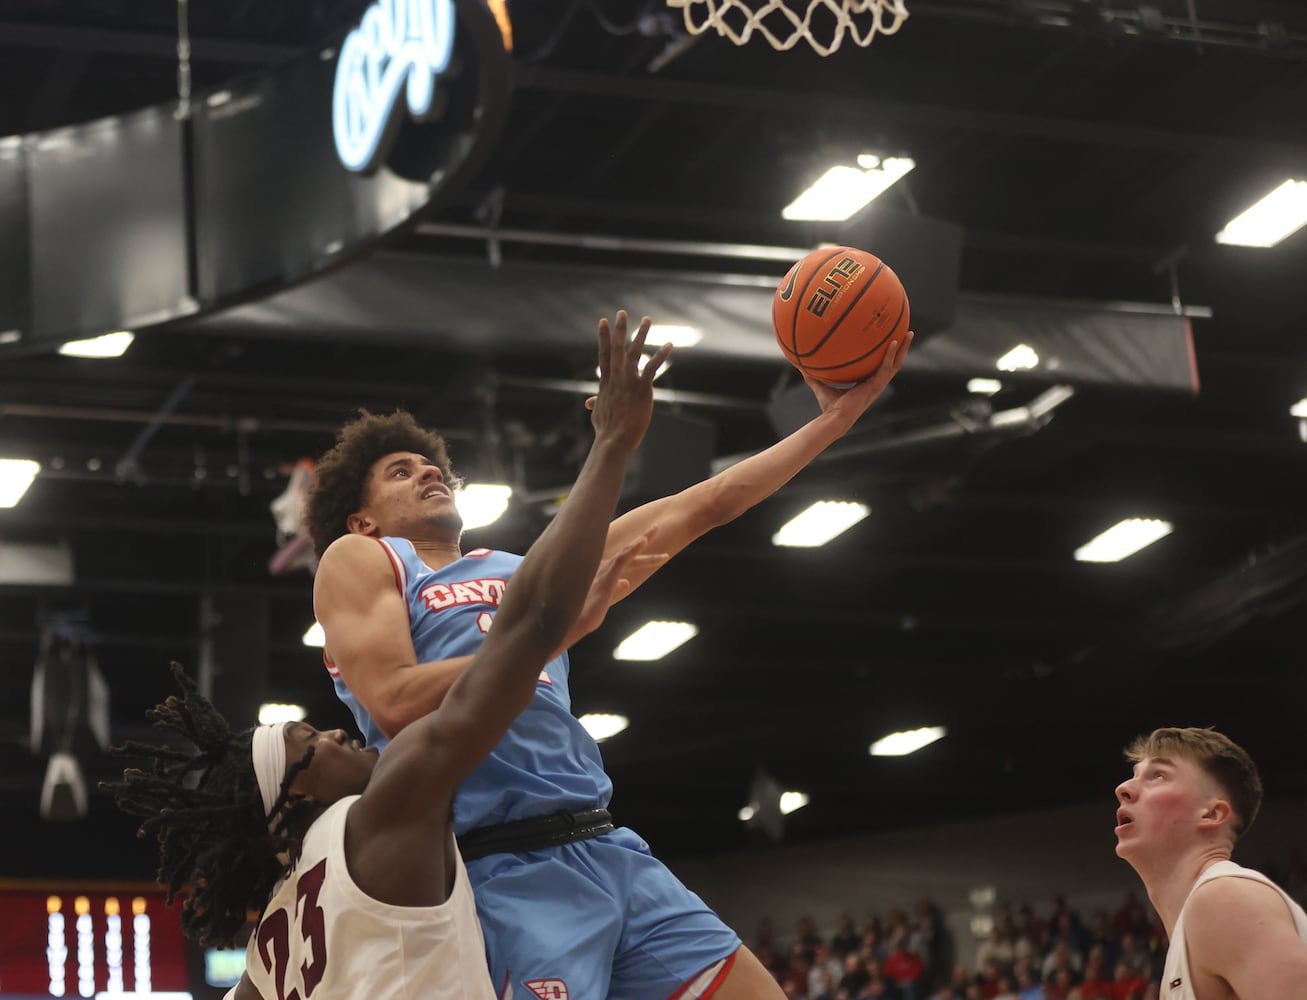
column 534, row 833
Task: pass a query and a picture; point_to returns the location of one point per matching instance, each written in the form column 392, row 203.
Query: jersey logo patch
column 543, row 678
column 548, row 989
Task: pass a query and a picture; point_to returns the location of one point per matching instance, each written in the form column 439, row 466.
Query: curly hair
column 1218, row 756
column 203, row 806
column 341, row 476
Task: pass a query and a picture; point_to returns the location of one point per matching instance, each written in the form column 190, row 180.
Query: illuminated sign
column 399, row 44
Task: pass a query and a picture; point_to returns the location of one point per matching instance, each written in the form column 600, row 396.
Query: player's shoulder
column 1220, row 905
column 351, row 550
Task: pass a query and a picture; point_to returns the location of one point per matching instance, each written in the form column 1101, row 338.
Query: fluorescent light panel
column 603, row 725
column 792, row 801
column 314, row 636
column 984, row 386
column 906, row 742
column 1124, row 538
column 1277, row 216
column 1020, row 358
column 16, row 475
column 654, row 640
column 480, row 504
column 842, row 191
column 272, row 712
column 109, row 345
column 670, row 333
column 820, row 523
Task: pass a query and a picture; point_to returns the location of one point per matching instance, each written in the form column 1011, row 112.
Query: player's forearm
column 747, row 483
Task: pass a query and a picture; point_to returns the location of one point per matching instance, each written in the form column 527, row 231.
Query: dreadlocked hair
column 341, row 475
column 202, row 803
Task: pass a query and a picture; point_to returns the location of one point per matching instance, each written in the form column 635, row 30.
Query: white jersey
column 323, row 938
column 1177, row 976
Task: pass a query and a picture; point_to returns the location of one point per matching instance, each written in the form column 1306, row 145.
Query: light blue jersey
column 593, row 919
column 546, row 761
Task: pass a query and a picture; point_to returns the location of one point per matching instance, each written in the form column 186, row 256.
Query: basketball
column 836, row 312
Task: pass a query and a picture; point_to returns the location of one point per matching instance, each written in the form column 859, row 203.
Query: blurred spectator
column 904, row 969
column 1134, row 956
column 1006, row 989
column 1067, row 928
column 846, row 937
column 934, row 943
column 1062, row 957
column 822, row 984
column 806, row 936
column 989, row 975
column 1028, row 986
column 998, row 947
column 1131, row 918
column 1058, row 986
column 946, row 992
column 1101, row 935
column 1127, row 984
column 1097, row 984
column 855, row 974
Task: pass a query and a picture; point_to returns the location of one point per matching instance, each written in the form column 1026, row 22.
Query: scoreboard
column 61, row 942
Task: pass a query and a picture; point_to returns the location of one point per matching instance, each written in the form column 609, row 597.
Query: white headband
column 269, row 752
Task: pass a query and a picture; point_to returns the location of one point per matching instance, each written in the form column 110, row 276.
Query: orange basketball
column 836, row 312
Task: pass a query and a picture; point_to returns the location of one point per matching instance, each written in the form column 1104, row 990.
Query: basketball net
column 782, row 23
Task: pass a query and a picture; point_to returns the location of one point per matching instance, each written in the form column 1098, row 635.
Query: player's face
column 406, row 495
column 1160, row 804
column 340, row 766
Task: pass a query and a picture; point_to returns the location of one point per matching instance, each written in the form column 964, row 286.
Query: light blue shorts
column 598, row 919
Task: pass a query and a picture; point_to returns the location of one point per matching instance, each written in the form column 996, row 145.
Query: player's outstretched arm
column 1240, row 931
column 698, row 509
column 416, row 777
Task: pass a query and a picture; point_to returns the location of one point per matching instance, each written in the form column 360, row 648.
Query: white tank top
column 324, row 938
column 1177, row 976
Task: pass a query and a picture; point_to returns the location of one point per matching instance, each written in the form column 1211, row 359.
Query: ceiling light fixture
column 272, row 712
column 908, row 741
column 16, row 475
column 842, row 191
column 480, row 504
column 603, row 725
column 1020, row 358
column 108, row 345
column 1277, row 216
column 821, row 522
column 984, row 386
column 1124, row 538
column 670, row 333
column 654, row 640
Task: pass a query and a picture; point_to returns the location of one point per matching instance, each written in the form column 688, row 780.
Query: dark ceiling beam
column 150, row 44
column 611, row 209
column 887, row 112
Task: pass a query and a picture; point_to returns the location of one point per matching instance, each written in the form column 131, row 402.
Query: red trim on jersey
column 401, row 576
column 716, row 983
column 478, row 553
column 326, row 662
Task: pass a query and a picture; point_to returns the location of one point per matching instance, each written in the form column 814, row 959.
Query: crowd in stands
column 1058, row 955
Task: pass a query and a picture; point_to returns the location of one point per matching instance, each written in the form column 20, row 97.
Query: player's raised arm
column 698, row 509
column 425, row 763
